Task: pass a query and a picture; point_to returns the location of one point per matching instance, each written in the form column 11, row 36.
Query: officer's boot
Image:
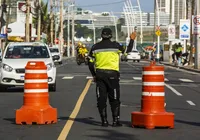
column 116, row 117
column 103, row 114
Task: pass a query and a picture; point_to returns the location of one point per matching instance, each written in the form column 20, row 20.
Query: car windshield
column 54, row 50
column 26, row 52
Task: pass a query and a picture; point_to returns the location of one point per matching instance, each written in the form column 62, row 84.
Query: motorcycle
column 82, row 59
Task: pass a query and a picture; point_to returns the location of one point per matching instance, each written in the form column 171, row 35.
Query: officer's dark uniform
column 104, row 66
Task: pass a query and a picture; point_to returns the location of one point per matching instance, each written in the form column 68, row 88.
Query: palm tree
column 45, row 18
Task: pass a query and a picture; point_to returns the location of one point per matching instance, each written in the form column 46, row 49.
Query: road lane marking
column 68, row 77
column 166, row 79
column 191, row 103
column 65, row 131
column 137, row 78
column 173, row 90
column 186, row 80
column 89, row 77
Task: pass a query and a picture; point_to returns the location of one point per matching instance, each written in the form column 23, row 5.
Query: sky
column 112, row 5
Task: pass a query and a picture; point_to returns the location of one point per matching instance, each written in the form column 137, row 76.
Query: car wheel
column 60, row 62
column 133, row 60
column 52, row 87
column 138, row 61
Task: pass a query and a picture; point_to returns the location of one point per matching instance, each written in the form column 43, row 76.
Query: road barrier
column 153, row 112
column 36, row 108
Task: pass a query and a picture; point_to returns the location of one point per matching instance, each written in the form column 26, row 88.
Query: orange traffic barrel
column 153, row 112
column 36, row 108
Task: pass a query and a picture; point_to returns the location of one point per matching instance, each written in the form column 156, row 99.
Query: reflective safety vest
column 105, row 55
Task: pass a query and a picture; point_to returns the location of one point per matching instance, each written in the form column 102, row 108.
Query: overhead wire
column 103, row 4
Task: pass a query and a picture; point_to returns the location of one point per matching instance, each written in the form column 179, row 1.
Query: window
column 54, row 50
column 26, row 52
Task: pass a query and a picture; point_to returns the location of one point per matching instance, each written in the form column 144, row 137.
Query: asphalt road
column 78, row 117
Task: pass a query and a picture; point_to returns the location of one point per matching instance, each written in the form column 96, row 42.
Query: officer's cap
column 106, row 33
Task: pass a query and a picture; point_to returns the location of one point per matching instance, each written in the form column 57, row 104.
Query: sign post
column 184, row 31
column 196, row 30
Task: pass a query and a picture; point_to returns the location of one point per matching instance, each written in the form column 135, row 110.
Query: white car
column 15, row 58
column 133, row 55
column 55, row 52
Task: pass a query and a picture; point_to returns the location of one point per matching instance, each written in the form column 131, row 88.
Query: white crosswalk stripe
column 68, row 77
column 137, row 78
column 89, row 77
column 186, row 80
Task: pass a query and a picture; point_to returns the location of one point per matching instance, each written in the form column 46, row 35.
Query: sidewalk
column 188, row 68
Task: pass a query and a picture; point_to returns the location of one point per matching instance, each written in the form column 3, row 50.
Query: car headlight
column 49, row 66
column 7, row 68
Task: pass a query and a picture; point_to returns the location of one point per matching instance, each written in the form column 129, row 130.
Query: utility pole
column 61, row 26
column 154, row 36
column 170, row 42
column 158, row 44
column 3, row 10
column 192, row 2
column 73, row 30
column 8, row 19
column 27, row 38
column 68, row 29
column 39, row 21
column 51, row 18
column 197, row 44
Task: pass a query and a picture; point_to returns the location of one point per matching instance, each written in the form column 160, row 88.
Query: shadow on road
column 12, row 120
column 113, row 135
column 91, row 121
column 187, row 122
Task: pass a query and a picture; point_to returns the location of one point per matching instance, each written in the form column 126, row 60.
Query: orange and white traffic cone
column 36, row 108
column 153, row 100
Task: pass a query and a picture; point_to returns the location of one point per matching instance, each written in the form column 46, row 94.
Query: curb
column 181, row 67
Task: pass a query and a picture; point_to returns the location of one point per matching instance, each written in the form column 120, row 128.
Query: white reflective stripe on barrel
column 153, row 73
column 36, row 81
column 35, row 71
column 153, row 83
column 153, row 93
column 35, row 90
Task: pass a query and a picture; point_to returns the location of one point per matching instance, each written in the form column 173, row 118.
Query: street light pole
column 68, row 28
column 197, row 44
column 141, row 24
column 39, row 20
column 158, row 44
column 61, row 26
column 73, row 30
column 27, row 38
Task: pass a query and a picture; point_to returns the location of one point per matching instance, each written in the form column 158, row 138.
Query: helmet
column 79, row 43
column 106, row 33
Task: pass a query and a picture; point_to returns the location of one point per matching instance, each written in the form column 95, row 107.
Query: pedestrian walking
column 104, row 67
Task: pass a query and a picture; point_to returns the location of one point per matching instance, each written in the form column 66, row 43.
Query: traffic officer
column 104, row 67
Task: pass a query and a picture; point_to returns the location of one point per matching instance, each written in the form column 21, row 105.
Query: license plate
column 21, row 77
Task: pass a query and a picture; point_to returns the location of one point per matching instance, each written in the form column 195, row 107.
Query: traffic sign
column 196, row 25
column 184, row 29
column 171, row 32
column 158, row 33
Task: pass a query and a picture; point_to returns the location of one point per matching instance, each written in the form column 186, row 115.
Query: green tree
column 45, row 19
